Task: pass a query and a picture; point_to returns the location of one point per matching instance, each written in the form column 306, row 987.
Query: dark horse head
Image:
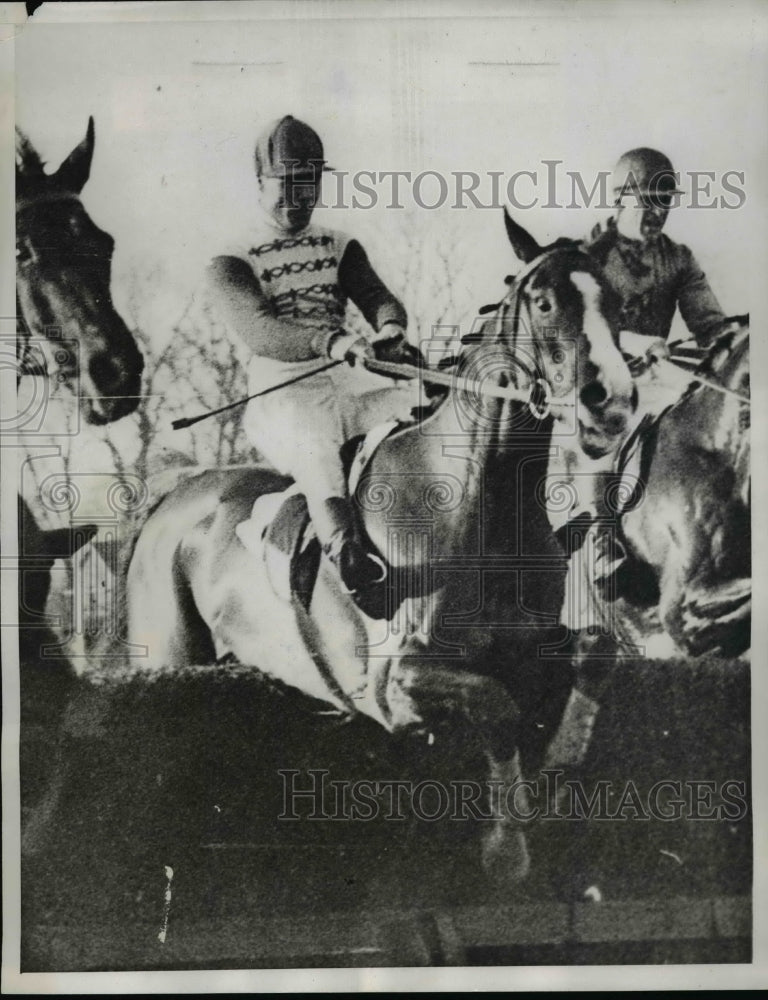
column 63, row 263
column 571, row 318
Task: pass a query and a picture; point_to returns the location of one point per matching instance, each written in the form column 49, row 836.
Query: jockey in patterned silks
column 282, row 292
column 652, row 277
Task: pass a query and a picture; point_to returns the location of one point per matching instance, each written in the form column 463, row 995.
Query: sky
column 179, row 100
column 178, row 104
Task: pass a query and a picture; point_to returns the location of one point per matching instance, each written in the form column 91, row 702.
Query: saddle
column 281, row 531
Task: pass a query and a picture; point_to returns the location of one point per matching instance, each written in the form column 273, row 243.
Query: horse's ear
column 525, row 246
column 74, row 171
column 30, row 176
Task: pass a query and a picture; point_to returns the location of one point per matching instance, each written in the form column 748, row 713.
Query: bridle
column 541, row 400
column 46, row 197
column 24, row 335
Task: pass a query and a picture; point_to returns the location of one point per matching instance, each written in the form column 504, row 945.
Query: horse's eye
column 23, row 256
column 542, row 304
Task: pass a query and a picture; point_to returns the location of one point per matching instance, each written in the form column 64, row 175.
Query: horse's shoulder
column 248, row 481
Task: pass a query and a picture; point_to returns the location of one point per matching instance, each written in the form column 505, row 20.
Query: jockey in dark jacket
column 652, row 275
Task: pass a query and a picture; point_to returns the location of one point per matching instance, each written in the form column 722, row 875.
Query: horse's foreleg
column 505, row 849
column 704, row 618
column 162, row 616
column 421, row 693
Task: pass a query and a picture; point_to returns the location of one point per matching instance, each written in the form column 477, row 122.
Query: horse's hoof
column 505, row 857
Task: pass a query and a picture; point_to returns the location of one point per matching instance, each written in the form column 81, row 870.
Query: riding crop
column 390, row 369
column 178, row 425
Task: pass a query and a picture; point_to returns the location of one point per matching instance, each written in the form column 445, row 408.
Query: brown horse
column 67, row 328
column 64, row 301
column 454, row 505
column 687, row 529
column 67, row 322
column 686, row 587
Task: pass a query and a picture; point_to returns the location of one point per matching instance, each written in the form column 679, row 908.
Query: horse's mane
column 724, row 347
column 28, row 160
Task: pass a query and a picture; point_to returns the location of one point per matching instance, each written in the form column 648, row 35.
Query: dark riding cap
column 645, row 171
column 288, row 147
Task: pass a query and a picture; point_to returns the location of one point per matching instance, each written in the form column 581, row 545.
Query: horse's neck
column 450, row 485
column 460, row 515
column 427, row 478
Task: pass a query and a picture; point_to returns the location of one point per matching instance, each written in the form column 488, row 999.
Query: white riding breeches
column 300, row 429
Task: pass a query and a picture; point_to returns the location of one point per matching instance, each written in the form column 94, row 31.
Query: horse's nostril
column 615, row 424
column 593, row 394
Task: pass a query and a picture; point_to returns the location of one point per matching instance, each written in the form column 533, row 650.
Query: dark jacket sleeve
column 360, row 283
column 236, row 297
column 698, row 306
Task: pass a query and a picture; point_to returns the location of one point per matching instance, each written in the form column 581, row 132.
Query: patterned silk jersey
column 298, row 276
column 302, row 280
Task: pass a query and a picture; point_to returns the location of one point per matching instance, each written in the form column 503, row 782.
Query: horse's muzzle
column 603, row 418
column 602, row 434
column 593, row 395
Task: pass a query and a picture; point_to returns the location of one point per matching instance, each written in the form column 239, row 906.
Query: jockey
column 282, row 293
column 652, row 274
column 653, row 277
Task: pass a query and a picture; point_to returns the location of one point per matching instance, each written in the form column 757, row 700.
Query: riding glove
column 350, row 347
column 394, row 346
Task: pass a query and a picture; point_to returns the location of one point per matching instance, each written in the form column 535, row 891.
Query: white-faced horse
column 682, row 514
column 472, row 641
